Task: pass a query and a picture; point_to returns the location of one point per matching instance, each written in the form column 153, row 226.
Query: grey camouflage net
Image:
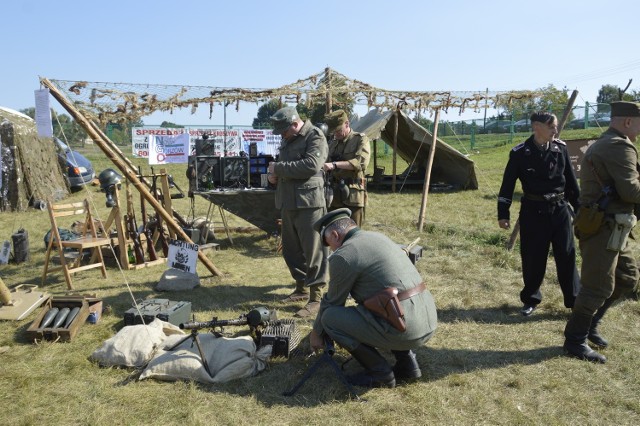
column 122, row 102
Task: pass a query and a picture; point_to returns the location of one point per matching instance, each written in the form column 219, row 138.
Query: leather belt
column 551, row 197
column 403, row 295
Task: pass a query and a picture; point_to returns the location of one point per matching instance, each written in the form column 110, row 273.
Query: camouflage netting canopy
column 28, row 164
column 122, row 102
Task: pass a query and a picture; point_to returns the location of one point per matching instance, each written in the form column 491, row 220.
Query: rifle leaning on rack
column 158, row 219
column 132, row 230
column 151, row 250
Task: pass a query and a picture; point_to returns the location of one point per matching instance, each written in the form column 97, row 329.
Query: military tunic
column 366, row 263
column 354, row 148
column 300, row 198
column 548, row 181
column 607, row 273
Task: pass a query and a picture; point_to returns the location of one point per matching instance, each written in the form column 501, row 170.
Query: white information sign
column 43, row 113
column 182, row 255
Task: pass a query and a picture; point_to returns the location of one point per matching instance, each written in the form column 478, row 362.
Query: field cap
column 625, row 109
column 336, row 119
column 283, row 118
column 329, row 218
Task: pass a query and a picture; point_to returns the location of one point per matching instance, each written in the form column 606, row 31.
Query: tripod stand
column 194, row 337
column 326, row 357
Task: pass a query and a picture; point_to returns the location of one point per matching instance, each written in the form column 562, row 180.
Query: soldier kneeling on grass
column 394, row 309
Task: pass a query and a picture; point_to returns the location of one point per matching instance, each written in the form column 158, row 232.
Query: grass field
column 486, row 363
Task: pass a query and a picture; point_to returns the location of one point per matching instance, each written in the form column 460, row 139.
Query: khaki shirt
column 356, row 149
column 611, row 161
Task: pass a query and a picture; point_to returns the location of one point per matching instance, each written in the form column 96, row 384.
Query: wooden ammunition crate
column 34, row 332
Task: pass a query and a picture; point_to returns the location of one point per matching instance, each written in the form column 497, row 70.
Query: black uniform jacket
column 540, row 172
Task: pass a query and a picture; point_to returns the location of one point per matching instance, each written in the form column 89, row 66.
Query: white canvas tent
column 414, row 142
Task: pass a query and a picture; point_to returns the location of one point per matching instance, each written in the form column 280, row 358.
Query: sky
column 422, row 45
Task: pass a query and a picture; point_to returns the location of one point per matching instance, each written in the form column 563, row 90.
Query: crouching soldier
column 376, row 273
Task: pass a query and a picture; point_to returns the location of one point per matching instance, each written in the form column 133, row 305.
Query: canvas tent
column 414, row 142
column 29, row 167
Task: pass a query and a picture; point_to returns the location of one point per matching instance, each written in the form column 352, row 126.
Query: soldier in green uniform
column 299, row 184
column 362, row 264
column 609, row 270
column 347, row 163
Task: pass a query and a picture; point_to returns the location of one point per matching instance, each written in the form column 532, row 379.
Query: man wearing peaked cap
column 609, row 270
column 362, row 265
column 300, row 198
column 349, row 154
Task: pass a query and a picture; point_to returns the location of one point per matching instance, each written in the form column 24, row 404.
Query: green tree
column 120, row 133
column 611, row 93
column 169, row 124
column 266, row 110
column 64, row 127
column 551, row 99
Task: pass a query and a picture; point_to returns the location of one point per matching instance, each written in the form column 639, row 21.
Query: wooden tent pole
column 107, row 147
column 329, row 105
column 117, row 151
column 427, row 175
column 395, row 150
column 565, row 115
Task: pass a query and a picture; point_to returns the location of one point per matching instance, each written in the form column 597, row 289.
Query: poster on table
column 169, row 149
column 182, row 255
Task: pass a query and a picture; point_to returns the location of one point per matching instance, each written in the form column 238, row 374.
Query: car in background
column 598, row 119
column 522, row 125
column 495, row 126
column 79, row 170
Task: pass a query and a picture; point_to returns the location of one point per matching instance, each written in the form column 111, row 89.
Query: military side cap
column 336, row 119
column 283, row 118
column 329, row 218
column 625, row 109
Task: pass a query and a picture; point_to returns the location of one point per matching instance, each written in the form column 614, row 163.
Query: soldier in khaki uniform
column 300, row 198
column 347, row 163
column 609, row 271
column 362, row 264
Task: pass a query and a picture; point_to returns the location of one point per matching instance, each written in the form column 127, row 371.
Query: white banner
column 266, row 142
column 229, row 146
column 43, row 113
column 182, row 255
column 169, row 149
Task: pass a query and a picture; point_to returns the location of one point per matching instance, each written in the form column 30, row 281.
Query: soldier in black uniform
column 542, row 164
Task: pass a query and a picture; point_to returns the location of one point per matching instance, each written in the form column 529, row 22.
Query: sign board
column 182, row 255
column 169, row 149
column 576, row 149
column 227, row 143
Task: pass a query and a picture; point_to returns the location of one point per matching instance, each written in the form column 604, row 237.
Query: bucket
column 20, row 246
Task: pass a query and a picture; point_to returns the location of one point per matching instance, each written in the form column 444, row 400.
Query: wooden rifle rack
column 122, row 239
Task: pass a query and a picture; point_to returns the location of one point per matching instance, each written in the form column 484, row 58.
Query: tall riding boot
column 594, row 336
column 377, row 371
column 575, row 343
column 406, row 367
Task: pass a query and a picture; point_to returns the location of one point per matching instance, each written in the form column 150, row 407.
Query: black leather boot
column 594, row 336
column 575, row 343
column 377, row 371
column 406, row 367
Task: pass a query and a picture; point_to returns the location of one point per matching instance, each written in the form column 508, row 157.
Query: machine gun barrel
column 256, row 317
column 195, row 325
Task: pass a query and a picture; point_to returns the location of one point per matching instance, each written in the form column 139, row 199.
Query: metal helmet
column 325, row 129
column 108, row 177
